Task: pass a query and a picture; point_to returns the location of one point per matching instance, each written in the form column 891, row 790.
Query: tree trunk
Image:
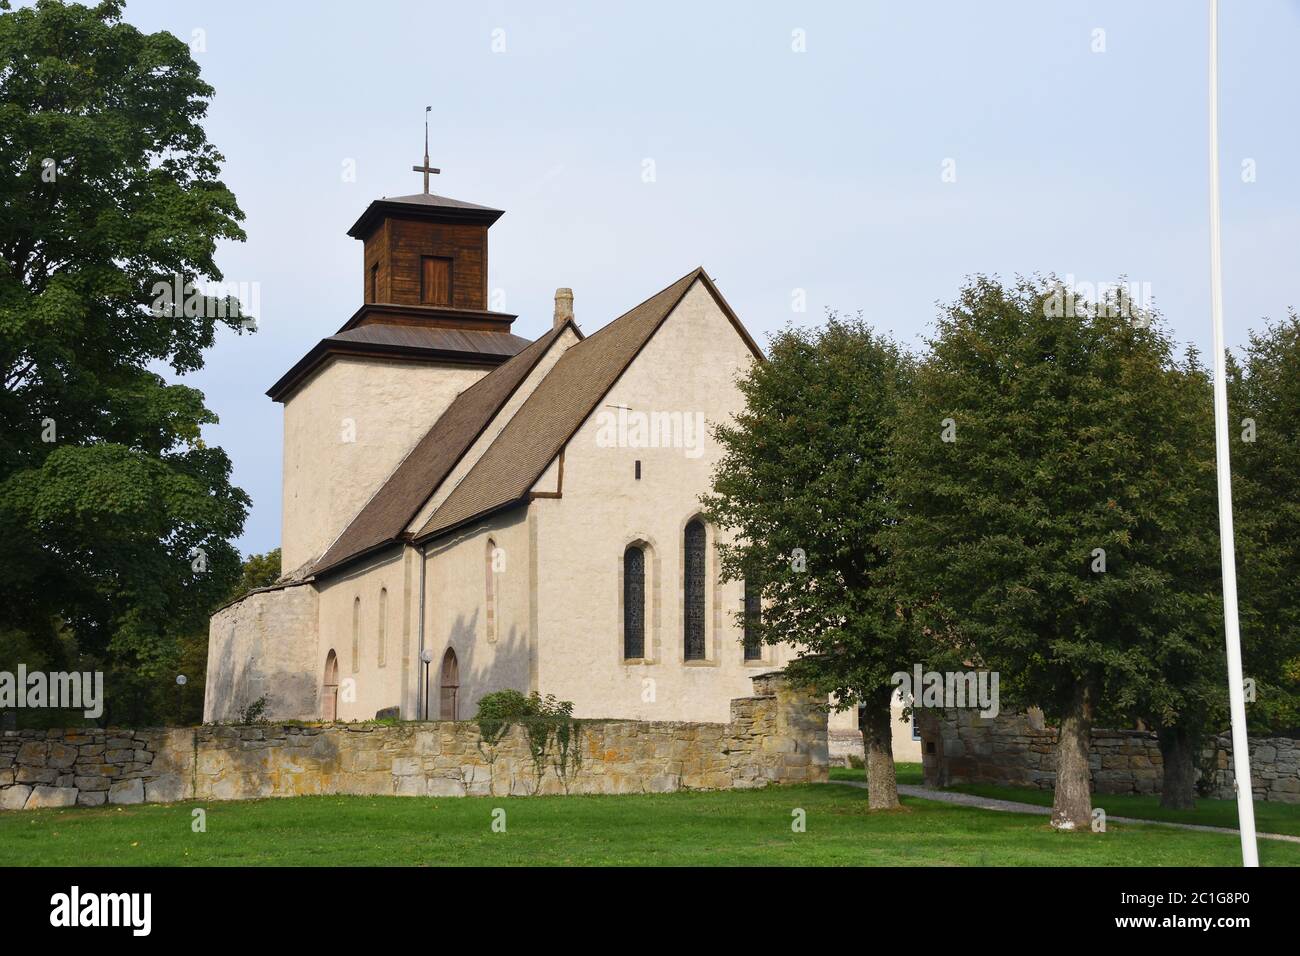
column 1072, row 803
column 1178, row 750
column 877, row 741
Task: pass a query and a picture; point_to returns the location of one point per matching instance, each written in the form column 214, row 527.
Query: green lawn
column 1269, row 817
column 737, row 828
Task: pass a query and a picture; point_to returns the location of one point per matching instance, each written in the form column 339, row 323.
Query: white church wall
column 345, row 430
column 689, row 366
column 491, row 655
column 262, row 646
column 368, row 606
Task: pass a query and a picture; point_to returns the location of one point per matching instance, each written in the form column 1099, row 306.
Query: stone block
column 93, row 798
column 36, row 775
column 15, row 797
column 33, row 753
column 126, row 792
column 51, row 797
column 445, row 787
column 406, row 766
column 166, row 789
column 61, row 756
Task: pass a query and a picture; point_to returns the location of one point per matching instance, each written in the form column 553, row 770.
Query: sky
column 853, row 156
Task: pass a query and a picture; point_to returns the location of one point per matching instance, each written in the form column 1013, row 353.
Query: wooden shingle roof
column 388, row 512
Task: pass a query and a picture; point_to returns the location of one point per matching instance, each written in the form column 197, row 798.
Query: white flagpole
column 1223, row 468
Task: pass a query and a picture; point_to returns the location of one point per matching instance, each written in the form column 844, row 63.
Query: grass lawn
column 1269, row 817
column 736, row 828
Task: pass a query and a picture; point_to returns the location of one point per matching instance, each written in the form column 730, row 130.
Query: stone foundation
column 1012, row 750
column 777, row 736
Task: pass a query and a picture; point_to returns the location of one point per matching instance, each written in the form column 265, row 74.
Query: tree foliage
column 1071, row 434
column 1059, row 536
column 802, row 486
column 115, row 517
column 1264, row 394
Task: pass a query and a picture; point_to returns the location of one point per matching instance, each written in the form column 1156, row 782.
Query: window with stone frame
column 634, row 603
column 695, row 561
column 753, row 616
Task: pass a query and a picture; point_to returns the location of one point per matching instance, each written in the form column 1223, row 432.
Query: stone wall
column 1012, row 750
column 777, row 736
column 264, row 645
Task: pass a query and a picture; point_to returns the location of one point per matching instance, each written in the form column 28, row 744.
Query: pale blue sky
column 777, row 170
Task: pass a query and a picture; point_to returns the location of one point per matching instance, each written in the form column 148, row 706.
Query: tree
column 1264, row 392
column 115, row 518
column 258, row 571
column 1045, row 470
column 802, row 486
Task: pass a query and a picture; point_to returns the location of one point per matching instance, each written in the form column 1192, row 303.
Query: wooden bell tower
column 426, row 250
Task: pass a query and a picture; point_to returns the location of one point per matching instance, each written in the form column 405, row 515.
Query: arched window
column 490, row 590
column 753, row 615
column 634, row 603
column 693, row 611
column 450, row 686
column 383, row 625
column 356, row 634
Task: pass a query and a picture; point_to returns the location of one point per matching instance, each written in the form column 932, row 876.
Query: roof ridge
column 693, row 274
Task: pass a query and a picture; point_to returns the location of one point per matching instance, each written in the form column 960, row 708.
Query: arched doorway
column 329, row 698
column 450, row 686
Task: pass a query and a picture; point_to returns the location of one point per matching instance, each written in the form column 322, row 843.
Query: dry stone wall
column 958, row 746
column 776, row 736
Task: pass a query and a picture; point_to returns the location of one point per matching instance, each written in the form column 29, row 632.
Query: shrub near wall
column 777, row 736
column 960, row 747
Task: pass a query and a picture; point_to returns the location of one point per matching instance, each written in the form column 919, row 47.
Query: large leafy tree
column 115, row 518
column 1182, row 692
column 1054, row 507
column 1264, row 390
column 802, row 486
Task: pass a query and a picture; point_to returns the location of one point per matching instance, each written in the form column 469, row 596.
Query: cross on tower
column 426, row 168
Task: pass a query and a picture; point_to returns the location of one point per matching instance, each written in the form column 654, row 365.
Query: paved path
column 1014, row 806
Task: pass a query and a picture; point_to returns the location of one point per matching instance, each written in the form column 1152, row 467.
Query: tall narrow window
column 435, row 280
column 490, row 589
column 695, row 589
column 373, row 291
column 633, row 604
column 383, row 625
column 753, row 615
column 356, row 635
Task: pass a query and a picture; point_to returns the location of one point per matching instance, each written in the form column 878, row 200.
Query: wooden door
column 435, row 281
column 450, row 686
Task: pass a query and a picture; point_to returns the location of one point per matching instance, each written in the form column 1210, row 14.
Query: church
column 466, row 511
